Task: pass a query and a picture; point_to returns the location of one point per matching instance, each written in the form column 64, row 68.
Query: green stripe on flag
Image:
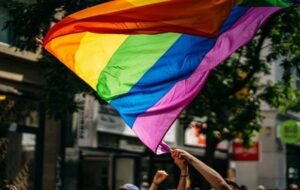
column 131, row 61
column 278, row 3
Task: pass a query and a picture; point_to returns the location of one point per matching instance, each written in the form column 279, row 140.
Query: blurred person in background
column 243, row 187
column 261, row 187
column 9, row 187
column 293, row 187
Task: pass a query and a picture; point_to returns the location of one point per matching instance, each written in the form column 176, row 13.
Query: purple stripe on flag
column 152, row 125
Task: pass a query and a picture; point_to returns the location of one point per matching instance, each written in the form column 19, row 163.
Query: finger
column 39, row 41
column 173, row 154
column 180, row 155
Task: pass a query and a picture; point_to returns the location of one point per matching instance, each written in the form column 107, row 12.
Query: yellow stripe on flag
column 94, row 53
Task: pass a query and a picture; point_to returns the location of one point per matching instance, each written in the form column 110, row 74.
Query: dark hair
column 232, row 184
column 9, row 187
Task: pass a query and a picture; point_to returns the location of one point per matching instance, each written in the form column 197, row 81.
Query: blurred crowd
column 183, row 160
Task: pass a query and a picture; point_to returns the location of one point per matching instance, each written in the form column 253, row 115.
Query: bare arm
column 182, row 165
column 182, row 183
column 213, row 177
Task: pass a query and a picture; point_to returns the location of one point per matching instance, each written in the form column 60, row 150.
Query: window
column 4, row 33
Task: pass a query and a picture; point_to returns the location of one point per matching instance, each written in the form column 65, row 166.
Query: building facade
column 276, row 166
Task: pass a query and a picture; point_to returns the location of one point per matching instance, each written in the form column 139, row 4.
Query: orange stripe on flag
column 199, row 17
column 65, row 48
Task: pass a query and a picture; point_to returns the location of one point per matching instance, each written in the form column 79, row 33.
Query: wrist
column 155, row 183
column 184, row 171
column 184, row 175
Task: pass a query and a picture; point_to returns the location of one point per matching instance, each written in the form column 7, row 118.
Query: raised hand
column 160, row 176
column 179, row 161
column 181, row 154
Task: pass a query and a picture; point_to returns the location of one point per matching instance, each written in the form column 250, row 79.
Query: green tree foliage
column 14, row 109
column 31, row 21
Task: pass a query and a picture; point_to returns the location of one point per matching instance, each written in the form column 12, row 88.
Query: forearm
column 182, row 180
column 154, row 186
column 213, row 177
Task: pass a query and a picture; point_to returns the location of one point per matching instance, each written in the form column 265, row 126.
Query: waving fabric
column 150, row 58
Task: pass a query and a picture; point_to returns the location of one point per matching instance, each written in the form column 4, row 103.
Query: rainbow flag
column 150, row 58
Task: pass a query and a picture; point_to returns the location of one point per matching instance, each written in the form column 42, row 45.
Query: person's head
column 232, row 184
column 128, row 187
column 243, row 187
column 261, row 187
column 293, row 187
column 10, row 187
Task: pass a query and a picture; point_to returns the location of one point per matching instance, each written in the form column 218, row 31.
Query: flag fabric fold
column 150, row 58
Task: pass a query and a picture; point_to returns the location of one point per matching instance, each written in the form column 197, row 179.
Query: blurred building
column 21, row 118
column 276, row 163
